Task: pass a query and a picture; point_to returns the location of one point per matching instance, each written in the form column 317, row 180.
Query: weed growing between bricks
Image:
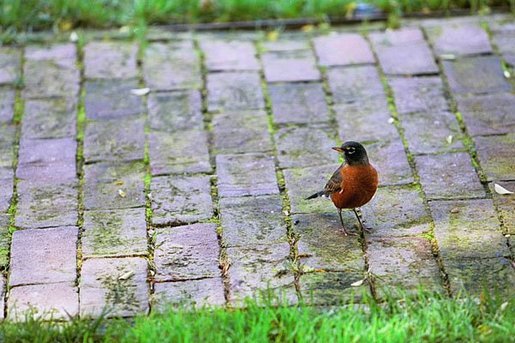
column 367, row 275
column 429, row 235
column 292, row 237
column 81, row 126
column 223, row 259
column 19, row 105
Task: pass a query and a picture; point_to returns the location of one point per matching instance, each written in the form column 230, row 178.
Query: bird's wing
column 335, row 183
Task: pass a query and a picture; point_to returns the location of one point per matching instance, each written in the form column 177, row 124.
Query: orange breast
column 359, row 186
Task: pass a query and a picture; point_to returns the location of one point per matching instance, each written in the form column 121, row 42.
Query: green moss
column 120, row 293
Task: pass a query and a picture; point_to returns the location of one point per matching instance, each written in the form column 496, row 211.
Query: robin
column 353, row 184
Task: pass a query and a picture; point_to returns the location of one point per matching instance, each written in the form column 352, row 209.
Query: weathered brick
column 357, row 84
column 249, row 221
column 179, row 152
column 404, row 52
column 186, row 253
column 45, row 78
column 390, row 161
column 298, row 103
column 46, row 205
column 505, row 205
column 468, row 229
column 171, row 65
column 115, row 140
column 62, row 54
column 112, row 99
column 249, row 174
column 229, row 55
column 286, row 44
column 259, row 269
column 110, row 60
column 496, row 156
column 438, row 129
column 343, row 49
column 322, row 241
column 234, row 91
column 114, row 233
column 51, row 71
column 396, row 211
column 302, row 182
column 115, row 285
column 57, row 301
column 448, row 176
column 50, row 118
column 354, row 120
column 304, row 147
column 175, row 111
column 476, row 75
column 43, row 256
column 199, row 293
column 7, row 96
column 459, row 39
column 6, row 188
column 112, row 186
column 488, row 114
column 180, row 199
column 474, row 275
column 290, row 66
column 7, row 134
column 331, row 288
column 241, row 132
column 405, row 263
column 10, row 60
column 49, row 161
column 418, row 94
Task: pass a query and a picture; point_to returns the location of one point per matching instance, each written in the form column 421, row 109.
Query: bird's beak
column 337, row 148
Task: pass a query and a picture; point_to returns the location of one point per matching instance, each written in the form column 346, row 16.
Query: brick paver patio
column 195, row 191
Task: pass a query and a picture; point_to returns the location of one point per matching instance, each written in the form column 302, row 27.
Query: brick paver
column 195, row 192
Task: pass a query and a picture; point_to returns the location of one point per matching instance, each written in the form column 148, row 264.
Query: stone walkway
column 194, row 191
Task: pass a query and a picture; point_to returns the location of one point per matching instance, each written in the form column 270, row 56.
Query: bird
column 353, row 184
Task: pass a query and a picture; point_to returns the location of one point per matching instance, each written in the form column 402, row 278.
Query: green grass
column 425, row 317
column 23, row 15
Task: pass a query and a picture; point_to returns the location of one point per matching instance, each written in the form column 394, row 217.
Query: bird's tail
column 316, row 195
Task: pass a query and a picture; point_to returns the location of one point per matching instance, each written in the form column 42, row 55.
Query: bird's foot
column 367, row 229
column 348, row 233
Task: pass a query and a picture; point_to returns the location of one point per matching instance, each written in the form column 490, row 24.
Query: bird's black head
column 353, row 152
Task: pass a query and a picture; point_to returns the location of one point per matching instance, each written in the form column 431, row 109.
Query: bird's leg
column 345, row 232
column 363, row 228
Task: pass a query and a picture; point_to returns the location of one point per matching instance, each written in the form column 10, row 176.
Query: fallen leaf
column 118, row 182
column 140, row 91
column 307, row 28
column 357, row 283
column 126, row 276
column 122, row 193
column 448, row 57
column 503, row 306
column 65, row 25
column 449, row 139
column 307, row 269
column 272, row 36
column 455, row 210
column 501, row 190
column 74, row 37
